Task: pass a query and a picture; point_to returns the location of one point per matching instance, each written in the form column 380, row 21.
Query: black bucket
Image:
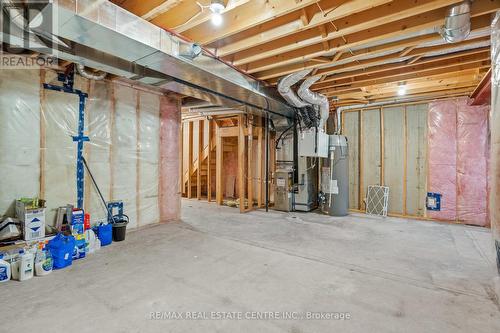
column 119, row 227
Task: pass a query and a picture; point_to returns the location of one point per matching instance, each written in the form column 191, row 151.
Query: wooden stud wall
column 361, row 149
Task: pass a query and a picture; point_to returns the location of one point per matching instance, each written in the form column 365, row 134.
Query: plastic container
column 119, row 227
column 43, row 262
column 105, row 233
column 61, row 247
column 86, row 221
column 4, row 270
column 26, row 266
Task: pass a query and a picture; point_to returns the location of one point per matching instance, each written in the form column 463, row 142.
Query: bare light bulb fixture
column 217, row 6
column 402, row 90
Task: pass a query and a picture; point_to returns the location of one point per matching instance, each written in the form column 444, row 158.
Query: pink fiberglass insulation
column 458, row 156
column 170, row 125
column 442, row 149
column 472, row 170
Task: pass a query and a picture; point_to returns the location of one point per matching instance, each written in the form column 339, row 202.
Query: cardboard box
column 32, row 220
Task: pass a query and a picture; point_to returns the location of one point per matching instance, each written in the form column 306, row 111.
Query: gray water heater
column 335, row 177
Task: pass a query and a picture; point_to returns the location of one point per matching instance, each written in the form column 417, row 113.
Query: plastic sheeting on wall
column 19, row 137
column 351, row 130
column 416, row 160
column 370, row 133
column 394, row 155
column 458, row 151
column 123, row 125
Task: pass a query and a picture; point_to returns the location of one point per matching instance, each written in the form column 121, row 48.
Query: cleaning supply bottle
column 15, row 259
column 26, row 266
column 4, row 270
column 43, row 261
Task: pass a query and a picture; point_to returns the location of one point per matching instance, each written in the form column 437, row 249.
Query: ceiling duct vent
column 457, row 23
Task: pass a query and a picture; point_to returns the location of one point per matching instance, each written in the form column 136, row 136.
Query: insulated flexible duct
column 285, row 84
column 314, row 98
column 457, row 23
column 97, row 77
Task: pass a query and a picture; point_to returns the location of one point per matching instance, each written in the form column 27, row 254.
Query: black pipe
column 267, row 161
column 97, row 187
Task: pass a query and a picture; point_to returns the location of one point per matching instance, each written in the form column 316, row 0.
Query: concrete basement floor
column 389, row 275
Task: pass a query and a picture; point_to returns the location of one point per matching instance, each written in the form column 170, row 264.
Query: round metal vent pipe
column 457, row 22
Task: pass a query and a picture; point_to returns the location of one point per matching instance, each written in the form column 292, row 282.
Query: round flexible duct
column 314, row 98
column 97, row 77
column 457, row 23
column 285, row 84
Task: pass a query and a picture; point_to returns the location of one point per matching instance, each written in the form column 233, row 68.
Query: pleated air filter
column 377, row 199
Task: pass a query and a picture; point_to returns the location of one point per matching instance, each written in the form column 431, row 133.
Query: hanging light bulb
column 216, row 19
column 402, row 90
column 217, row 6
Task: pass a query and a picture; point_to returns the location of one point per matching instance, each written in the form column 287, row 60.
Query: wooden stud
column 250, row 164
column 219, row 159
column 200, row 159
column 304, row 17
column 382, row 148
column 209, row 161
column 405, row 160
column 113, row 141
column 181, row 159
column 43, row 142
column 260, row 170
column 361, row 191
column 138, row 156
column 241, row 163
column 190, row 159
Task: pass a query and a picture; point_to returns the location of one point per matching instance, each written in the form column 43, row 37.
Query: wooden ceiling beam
column 286, row 61
column 245, row 17
column 272, row 75
column 158, row 10
column 403, row 75
column 333, row 9
column 364, row 65
column 360, row 21
column 393, row 82
column 386, row 70
column 420, row 96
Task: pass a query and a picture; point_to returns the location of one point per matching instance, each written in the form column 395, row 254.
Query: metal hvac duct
column 285, row 88
column 106, row 37
column 314, row 98
column 457, row 22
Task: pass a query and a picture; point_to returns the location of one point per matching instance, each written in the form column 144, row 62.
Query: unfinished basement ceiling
column 363, row 50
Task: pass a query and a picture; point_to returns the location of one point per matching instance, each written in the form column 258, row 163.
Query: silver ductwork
column 285, row 88
column 315, row 98
column 91, row 76
column 457, row 22
column 106, row 37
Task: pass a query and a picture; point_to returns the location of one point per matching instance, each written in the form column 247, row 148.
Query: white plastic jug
column 4, row 271
column 26, row 266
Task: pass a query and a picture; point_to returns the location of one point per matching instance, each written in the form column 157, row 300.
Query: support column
column 170, row 129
